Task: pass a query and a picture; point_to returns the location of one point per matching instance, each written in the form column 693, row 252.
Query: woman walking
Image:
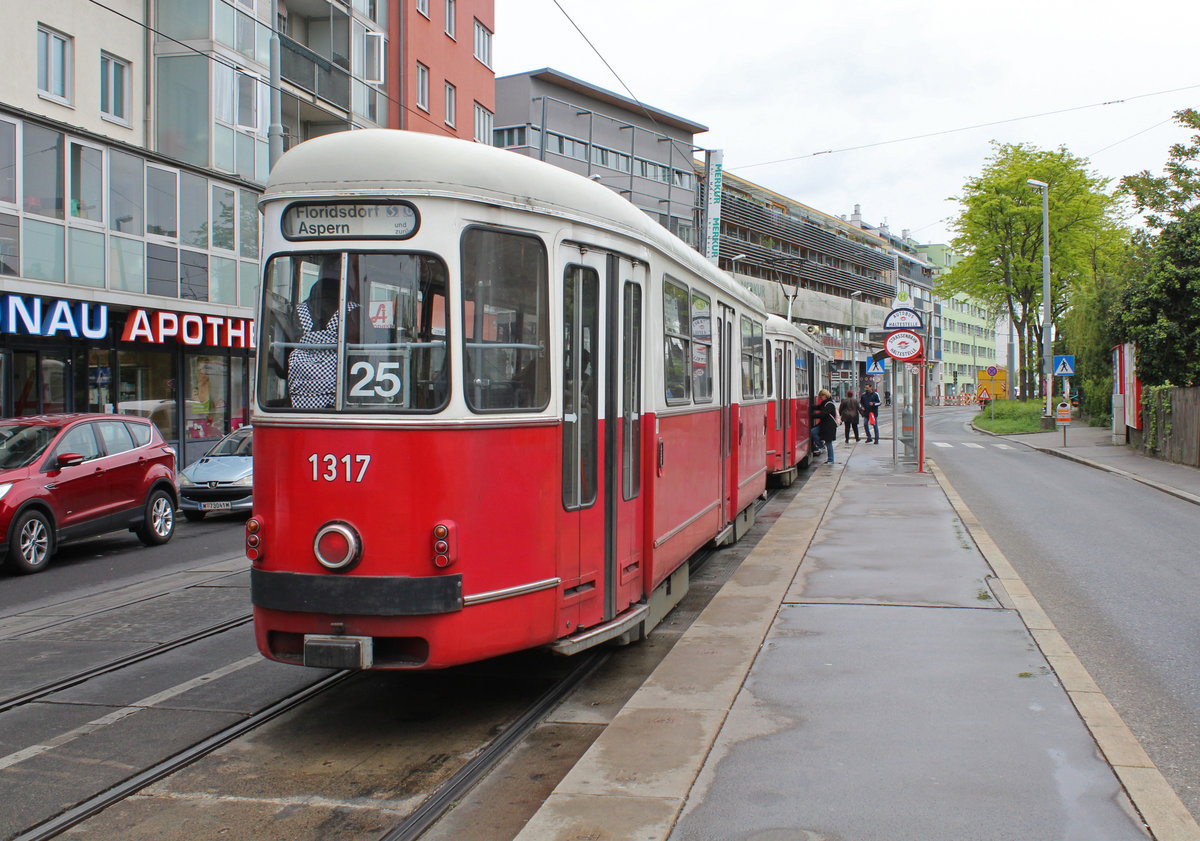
column 849, row 412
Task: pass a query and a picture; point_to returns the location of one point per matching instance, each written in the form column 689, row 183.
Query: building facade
column 133, row 150
column 641, row 152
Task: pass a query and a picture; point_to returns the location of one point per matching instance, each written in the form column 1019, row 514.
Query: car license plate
column 215, row 506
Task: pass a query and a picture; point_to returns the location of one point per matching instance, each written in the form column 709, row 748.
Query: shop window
column 43, row 247
column 8, row 162
column 147, row 388
column 205, row 406
column 162, row 270
column 44, row 189
column 125, row 200
column 85, row 257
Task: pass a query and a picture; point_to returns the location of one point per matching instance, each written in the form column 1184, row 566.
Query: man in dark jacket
column 870, row 409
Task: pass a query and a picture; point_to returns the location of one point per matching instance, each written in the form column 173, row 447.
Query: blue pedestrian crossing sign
column 875, row 366
column 1064, row 366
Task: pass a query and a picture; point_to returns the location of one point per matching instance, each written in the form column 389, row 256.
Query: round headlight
column 337, row 546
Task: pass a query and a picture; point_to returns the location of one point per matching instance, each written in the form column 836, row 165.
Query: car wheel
column 194, row 516
column 159, row 524
column 32, row 543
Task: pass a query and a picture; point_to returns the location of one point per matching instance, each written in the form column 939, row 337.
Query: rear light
column 445, row 544
column 254, row 547
column 337, row 546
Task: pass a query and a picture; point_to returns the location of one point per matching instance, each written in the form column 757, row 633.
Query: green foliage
column 1156, row 405
column 1000, row 233
column 1168, row 197
column 1161, row 313
column 1011, row 417
column 1097, row 398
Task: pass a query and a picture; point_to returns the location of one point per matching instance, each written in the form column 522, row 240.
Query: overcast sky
column 780, row 81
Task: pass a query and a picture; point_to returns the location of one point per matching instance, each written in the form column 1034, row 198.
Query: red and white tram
column 799, row 367
column 496, row 407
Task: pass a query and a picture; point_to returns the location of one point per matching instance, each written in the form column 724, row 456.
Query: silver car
column 222, row 480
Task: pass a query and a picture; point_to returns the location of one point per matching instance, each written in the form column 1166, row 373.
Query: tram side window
column 390, row 355
column 506, row 321
column 753, row 381
column 701, row 348
column 678, row 340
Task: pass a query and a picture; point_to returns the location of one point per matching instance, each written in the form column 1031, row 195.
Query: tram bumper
column 331, row 652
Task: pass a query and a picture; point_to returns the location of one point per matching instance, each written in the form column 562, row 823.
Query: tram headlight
column 445, row 544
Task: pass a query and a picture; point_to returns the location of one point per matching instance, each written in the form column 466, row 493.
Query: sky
column 888, row 105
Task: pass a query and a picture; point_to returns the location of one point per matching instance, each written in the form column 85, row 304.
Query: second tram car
column 798, row 367
column 496, row 407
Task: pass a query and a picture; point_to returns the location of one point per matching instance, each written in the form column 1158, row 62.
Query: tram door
column 727, row 352
column 600, row 551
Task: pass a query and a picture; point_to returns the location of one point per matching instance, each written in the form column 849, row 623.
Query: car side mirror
column 68, row 459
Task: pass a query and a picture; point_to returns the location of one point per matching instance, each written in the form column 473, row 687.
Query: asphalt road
column 1112, row 562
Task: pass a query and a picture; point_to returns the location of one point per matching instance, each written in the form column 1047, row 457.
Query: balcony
column 314, row 73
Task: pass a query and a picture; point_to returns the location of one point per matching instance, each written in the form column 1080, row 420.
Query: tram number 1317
column 331, row 468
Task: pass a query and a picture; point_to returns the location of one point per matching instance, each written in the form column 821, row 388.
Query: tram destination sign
column 350, row 220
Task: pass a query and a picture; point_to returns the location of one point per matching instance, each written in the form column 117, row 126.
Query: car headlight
column 245, row 481
column 184, row 481
column 4, row 488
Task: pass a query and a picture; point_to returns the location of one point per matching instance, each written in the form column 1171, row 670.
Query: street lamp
column 854, row 344
column 1047, row 350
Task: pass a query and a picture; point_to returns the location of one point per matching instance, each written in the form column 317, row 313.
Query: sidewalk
column 868, row 683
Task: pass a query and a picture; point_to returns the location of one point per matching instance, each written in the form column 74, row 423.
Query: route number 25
column 330, row 467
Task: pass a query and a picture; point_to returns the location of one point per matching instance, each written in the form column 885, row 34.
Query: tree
column 1168, row 196
column 1000, row 232
column 1161, row 312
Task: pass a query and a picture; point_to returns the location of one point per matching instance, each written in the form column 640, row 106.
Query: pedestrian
column 829, row 422
column 849, row 412
column 870, row 410
column 814, row 426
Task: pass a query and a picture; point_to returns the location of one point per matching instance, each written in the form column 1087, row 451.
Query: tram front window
column 357, row 332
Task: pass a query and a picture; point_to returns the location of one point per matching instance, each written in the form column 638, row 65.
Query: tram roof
column 371, row 162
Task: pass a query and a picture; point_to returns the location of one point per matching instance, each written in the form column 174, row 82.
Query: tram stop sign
column 1063, row 416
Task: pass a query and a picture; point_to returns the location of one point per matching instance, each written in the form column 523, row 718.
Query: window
column 483, row 44
column 753, row 381
column 162, row 202
column 631, row 427
column 450, row 18
column 451, row 98
column 54, row 67
column 391, row 355
column 87, row 182
column 580, row 435
column 8, row 162
column 506, row 323
column 678, row 340
column 483, row 124
column 114, row 88
column 373, row 61
column 125, row 198
column 422, row 87
column 223, row 217
column 43, row 170
column 701, row 348
column 423, row 7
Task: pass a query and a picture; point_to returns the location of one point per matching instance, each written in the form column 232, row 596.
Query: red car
column 69, row 476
